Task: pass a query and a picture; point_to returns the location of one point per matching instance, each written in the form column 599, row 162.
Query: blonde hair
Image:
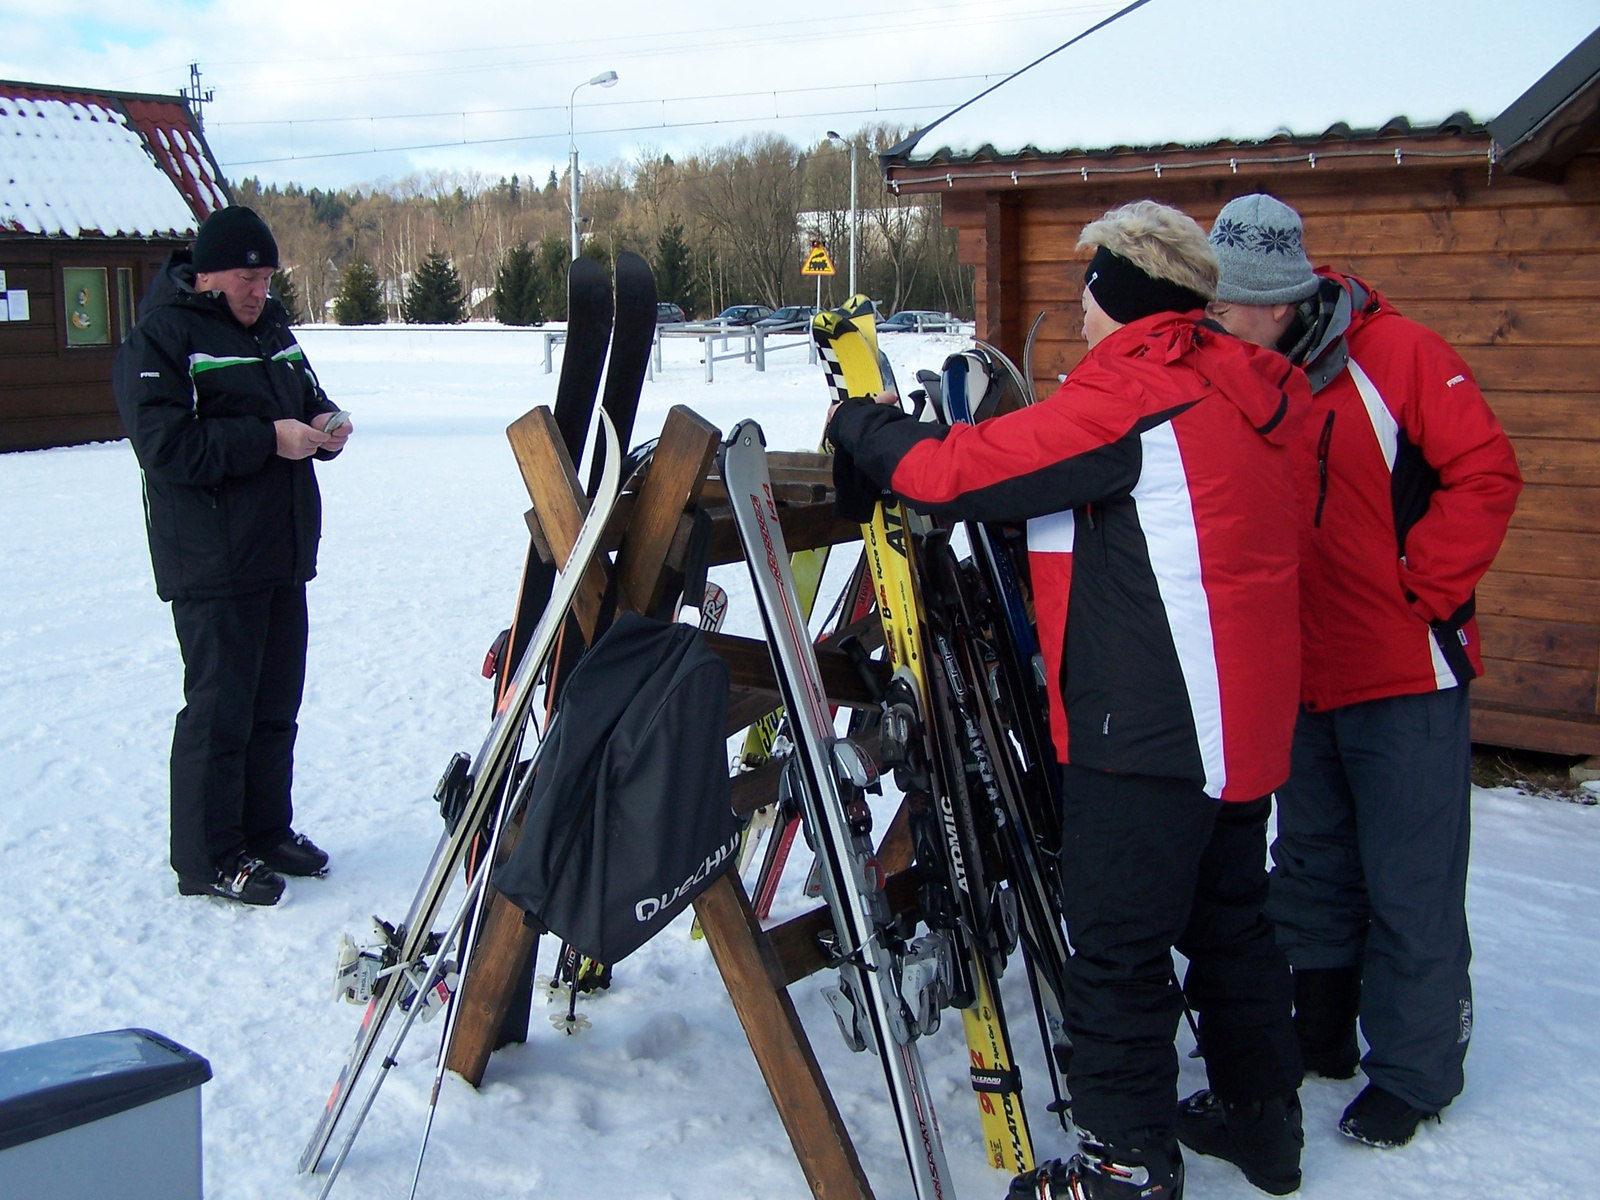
column 1161, row 241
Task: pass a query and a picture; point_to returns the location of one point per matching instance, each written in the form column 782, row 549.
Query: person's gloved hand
column 856, row 494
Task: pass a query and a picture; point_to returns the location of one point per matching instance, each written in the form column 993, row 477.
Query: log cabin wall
column 53, row 393
column 1506, row 268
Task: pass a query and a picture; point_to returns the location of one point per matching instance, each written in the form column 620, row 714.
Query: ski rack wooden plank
column 650, row 543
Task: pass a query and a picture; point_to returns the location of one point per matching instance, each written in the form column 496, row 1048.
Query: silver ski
column 491, row 768
column 868, row 1000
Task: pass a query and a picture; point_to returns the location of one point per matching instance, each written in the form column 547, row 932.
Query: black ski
column 631, row 340
column 589, row 313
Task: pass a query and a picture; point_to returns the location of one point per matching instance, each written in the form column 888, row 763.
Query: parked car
column 743, row 314
column 789, row 317
column 919, row 320
column 669, row 314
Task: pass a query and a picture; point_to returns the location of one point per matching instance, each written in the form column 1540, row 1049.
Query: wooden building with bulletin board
column 96, row 188
column 1488, row 231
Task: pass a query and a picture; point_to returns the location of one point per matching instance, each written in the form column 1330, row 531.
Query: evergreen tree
column 283, row 288
column 551, row 184
column 360, row 300
column 433, row 297
column 518, row 294
column 675, row 277
column 551, row 269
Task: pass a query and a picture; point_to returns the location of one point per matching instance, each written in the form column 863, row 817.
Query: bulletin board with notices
column 13, row 302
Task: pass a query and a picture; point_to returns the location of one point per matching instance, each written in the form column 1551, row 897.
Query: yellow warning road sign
column 817, row 262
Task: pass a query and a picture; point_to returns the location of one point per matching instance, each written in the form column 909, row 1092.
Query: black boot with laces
column 245, row 880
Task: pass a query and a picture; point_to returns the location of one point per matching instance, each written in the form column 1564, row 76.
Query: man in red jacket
column 1165, row 579
column 1406, row 482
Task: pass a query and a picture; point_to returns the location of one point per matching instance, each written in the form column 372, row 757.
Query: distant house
column 95, row 189
column 1487, row 230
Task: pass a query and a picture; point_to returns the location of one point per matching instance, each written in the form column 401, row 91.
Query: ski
column 828, row 774
column 589, row 316
column 470, row 801
column 958, row 896
column 633, row 333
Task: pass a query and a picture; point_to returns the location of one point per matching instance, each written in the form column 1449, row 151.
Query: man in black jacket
column 225, row 415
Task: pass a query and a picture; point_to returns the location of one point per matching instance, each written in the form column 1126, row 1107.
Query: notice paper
column 17, row 304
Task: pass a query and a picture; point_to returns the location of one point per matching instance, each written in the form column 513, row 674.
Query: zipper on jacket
column 1322, row 467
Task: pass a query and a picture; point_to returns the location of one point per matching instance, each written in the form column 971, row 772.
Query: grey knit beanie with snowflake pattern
column 1258, row 240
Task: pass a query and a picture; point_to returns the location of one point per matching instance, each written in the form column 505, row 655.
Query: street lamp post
column 839, row 141
column 604, row 79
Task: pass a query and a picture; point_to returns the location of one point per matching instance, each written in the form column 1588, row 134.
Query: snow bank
column 422, row 547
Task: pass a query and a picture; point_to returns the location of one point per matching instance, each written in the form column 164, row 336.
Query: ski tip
column 743, row 432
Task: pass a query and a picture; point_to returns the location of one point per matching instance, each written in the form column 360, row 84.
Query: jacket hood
column 174, row 285
column 1262, row 384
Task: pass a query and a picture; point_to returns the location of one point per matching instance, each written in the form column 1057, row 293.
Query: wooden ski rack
column 650, row 535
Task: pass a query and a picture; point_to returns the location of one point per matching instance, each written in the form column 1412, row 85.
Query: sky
column 336, row 94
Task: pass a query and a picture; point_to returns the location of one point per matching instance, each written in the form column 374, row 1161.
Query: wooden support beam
column 677, row 474
column 558, row 501
column 795, row 944
column 756, row 984
column 750, row 666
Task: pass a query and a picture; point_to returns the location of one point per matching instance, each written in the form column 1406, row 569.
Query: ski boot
column 1144, row 1166
column 295, row 854
column 1262, row 1138
column 1326, row 1003
column 245, row 880
column 1382, row 1119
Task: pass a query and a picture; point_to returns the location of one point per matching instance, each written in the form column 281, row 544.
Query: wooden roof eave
column 1256, row 160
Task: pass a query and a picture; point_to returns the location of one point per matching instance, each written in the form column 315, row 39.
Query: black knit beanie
column 234, row 237
column 1125, row 293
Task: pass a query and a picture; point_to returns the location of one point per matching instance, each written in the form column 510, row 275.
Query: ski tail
column 633, row 335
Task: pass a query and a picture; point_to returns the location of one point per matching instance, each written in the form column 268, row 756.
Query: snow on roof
column 1249, row 70
column 75, row 163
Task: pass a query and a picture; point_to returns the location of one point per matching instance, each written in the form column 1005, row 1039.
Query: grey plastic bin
column 104, row 1115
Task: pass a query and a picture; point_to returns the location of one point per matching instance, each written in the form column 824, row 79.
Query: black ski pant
column 1370, row 870
column 1151, row 864
column 244, row 670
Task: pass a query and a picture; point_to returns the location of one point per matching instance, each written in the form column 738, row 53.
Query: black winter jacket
column 198, row 394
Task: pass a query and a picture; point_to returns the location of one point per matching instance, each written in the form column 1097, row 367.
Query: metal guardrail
column 755, row 350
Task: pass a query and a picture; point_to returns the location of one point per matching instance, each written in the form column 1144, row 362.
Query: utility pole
column 196, row 96
column 839, row 141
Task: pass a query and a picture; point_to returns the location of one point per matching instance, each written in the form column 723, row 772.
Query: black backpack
column 629, row 818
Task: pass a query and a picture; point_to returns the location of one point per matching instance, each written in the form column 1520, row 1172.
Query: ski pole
column 417, row 1005
column 506, row 809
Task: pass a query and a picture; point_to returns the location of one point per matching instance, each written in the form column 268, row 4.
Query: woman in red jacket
column 1158, row 488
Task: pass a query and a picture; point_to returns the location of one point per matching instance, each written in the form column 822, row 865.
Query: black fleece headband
column 1125, row 293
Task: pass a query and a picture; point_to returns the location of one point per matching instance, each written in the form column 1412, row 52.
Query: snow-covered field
column 423, row 542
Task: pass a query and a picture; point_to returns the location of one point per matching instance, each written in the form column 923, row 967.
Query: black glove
column 856, row 494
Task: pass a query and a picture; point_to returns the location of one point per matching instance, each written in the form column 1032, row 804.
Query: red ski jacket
column 1406, row 484
column 1163, row 562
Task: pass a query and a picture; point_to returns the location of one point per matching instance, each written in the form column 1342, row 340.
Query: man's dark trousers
column 1150, row 864
column 244, row 669
column 1370, row 870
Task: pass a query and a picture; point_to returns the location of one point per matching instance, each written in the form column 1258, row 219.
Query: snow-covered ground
column 422, row 547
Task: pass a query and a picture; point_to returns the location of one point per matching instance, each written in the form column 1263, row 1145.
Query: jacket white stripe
column 1383, row 422
column 1166, row 516
column 1387, row 431
column 1052, row 534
